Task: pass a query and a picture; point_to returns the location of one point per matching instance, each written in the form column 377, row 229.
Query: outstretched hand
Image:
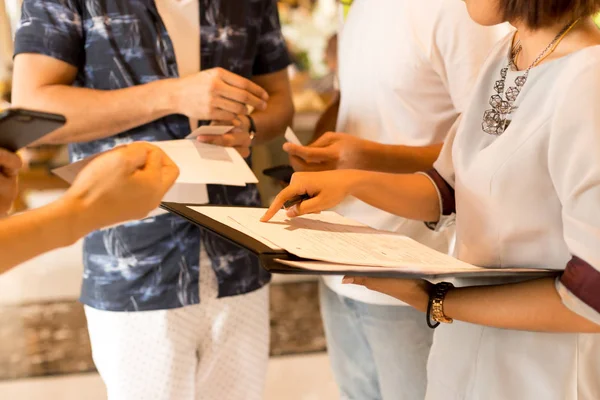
column 326, row 189
column 333, row 150
column 139, row 175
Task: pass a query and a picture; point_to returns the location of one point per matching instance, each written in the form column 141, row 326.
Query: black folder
column 268, row 256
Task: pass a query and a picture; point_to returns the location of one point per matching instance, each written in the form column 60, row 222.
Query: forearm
column 96, row 114
column 531, row 306
column 273, row 121
column 398, row 159
column 411, row 196
column 32, row 233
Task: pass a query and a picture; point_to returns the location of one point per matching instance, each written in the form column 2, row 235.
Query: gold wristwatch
column 437, row 302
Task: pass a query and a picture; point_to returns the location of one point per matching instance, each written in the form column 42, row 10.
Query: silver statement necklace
column 495, row 120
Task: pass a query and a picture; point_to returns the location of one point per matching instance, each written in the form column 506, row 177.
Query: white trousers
column 216, row 350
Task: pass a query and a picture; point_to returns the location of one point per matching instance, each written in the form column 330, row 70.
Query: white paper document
column 209, row 130
column 200, row 164
column 291, row 137
column 226, row 216
column 332, row 238
column 330, row 242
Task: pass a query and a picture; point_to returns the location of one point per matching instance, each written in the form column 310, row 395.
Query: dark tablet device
column 282, row 173
column 19, row 128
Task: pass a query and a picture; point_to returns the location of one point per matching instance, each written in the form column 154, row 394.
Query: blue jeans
column 377, row 352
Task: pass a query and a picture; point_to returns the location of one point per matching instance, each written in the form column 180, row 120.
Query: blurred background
column 44, row 345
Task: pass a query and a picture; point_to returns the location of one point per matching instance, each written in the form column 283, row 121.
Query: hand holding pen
column 312, row 192
column 294, row 201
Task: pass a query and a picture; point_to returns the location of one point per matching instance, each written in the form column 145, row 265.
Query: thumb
column 314, row 154
column 290, row 148
column 154, row 160
column 310, row 206
column 325, row 140
column 170, row 172
column 158, row 169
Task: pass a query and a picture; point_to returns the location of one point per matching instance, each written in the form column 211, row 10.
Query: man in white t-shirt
column 405, row 69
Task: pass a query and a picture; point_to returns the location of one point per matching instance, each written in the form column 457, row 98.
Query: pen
column 296, row 200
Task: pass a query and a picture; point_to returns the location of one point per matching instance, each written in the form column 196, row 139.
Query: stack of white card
column 199, row 165
column 291, row 137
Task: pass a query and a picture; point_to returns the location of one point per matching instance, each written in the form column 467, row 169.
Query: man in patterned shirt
column 173, row 312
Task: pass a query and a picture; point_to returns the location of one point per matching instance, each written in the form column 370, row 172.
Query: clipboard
column 266, row 255
column 269, row 257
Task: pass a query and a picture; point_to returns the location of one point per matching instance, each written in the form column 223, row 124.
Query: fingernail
column 292, row 211
column 347, row 280
column 263, row 106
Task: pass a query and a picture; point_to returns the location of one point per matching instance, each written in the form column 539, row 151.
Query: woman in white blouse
column 521, row 170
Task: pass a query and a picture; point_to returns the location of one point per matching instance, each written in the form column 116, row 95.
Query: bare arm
column 273, row 121
column 527, row 306
column 410, row 196
column 399, row 159
column 335, row 150
column 27, row 235
column 140, row 176
column 44, row 83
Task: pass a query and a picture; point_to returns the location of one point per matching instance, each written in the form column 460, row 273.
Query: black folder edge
column 267, row 255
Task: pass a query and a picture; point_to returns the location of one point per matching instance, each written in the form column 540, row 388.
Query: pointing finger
column 283, row 196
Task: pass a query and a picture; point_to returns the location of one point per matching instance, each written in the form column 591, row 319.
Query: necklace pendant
column 520, row 81
column 512, row 93
column 493, row 123
column 499, row 86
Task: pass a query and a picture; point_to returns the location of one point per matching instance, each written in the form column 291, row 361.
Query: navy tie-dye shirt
column 153, row 264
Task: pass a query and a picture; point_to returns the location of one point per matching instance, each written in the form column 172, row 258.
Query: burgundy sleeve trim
column 446, row 192
column 583, row 281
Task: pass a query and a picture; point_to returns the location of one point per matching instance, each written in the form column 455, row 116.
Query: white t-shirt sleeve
column 459, row 48
column 574, row 167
